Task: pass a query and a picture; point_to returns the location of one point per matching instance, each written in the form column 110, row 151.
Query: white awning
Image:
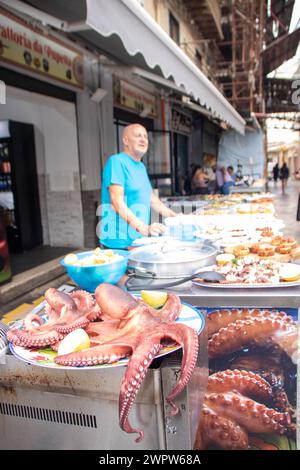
column 139, row 33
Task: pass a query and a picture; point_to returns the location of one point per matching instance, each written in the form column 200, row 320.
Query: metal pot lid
column 175, row 252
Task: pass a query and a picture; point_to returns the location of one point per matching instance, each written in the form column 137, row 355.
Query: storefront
column 41, row 192
column 181, row 125
column 75, row 134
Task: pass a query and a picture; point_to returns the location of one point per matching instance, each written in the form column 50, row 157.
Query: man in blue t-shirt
column 127, row 195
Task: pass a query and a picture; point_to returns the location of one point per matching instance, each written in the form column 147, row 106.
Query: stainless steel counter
column 288, row 297
column 44, row 408
column 279, row 297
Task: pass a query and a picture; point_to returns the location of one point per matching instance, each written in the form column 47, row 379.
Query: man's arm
column 160, row 207
column 116, row 193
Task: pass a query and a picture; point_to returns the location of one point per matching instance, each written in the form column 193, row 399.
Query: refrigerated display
column 19, row 187
column 5, row 271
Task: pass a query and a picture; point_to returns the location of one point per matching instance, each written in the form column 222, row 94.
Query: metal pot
column 173, row 260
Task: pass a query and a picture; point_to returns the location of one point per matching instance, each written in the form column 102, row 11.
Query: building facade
column 78, row 91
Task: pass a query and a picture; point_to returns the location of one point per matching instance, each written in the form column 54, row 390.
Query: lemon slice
column 224, row 258
column 155, row 298
column 289, row 272
column 74, row 341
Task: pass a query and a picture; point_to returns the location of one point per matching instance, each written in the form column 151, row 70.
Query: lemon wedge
column 289, row 272
column 74, row 341
column 155, row 298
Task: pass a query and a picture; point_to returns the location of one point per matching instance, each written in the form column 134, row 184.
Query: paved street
column 286, row 206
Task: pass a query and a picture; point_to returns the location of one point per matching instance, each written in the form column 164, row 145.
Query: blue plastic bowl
column 89, row 277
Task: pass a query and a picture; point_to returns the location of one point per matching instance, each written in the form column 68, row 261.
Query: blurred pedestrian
column 284, row 174
column 200, row 181
column 275, row 173
column 187, row 185
column 298, row 207
column 229, row 180
column 219, row 179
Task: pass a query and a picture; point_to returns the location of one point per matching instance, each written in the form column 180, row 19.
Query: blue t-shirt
column 132, row 175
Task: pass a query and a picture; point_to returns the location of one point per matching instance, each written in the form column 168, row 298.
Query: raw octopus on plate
column 119, row 325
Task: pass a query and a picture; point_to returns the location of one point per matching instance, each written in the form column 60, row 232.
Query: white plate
column 44, row 357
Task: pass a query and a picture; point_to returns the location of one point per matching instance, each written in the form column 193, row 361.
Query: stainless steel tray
column 171, row 260
column 245, row 286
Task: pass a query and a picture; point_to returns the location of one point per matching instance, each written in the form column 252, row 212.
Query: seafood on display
column 249, row 271
column 253, row 355
column 119, row 326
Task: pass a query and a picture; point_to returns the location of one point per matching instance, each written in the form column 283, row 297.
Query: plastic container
column 89, row 277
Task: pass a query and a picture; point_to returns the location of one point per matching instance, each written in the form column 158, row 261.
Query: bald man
column 127, row 194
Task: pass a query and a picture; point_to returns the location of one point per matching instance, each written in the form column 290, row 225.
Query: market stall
column 251, row 311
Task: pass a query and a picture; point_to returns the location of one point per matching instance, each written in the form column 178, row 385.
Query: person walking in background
column 200, row 181
column 219, row 179
column 275, row 173
column 229, row 180
column 187, row 186
column 284, row 174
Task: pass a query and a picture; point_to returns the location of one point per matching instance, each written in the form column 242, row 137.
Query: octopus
column 119, row 326
column 234, row 406
column 130, row 328
column 233, row 330
column 272, row 370
column 251, row 384
column 64, row 313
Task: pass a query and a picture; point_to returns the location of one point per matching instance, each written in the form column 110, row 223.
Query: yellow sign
column 132, row 97
column 29, row 48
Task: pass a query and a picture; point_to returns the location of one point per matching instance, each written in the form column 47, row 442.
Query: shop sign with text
column 27, row 47
column 134, row 98
column 180, row 122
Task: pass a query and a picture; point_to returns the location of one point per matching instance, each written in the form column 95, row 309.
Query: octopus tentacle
column 102, row 354
column 55, row 346
column 14, row 338
column 246, row 412
column 243, row 332
column 70, row 323
column 220, row 432
column 281, row 403
column 139, row 363
column 245, row 382
column 82, row 299
column 222, row 318
column 52, row 315
column 30, row 321
column 43, row 338
column 287, row 341
column 188, row 339
column 171, row 310
column 85, row 303
column 141, row 359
